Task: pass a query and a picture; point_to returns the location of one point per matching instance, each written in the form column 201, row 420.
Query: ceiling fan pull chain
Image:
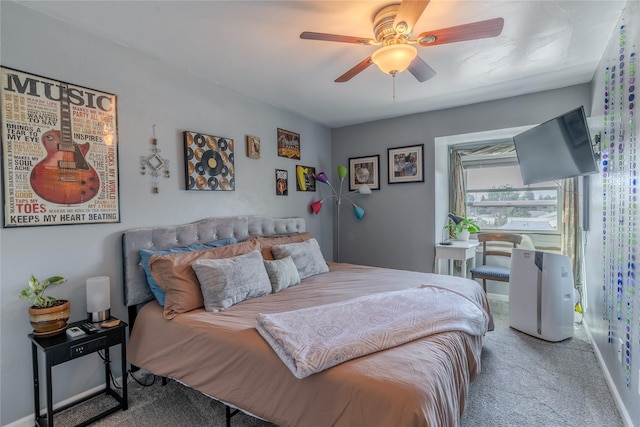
column 393, row 84
column 394, row 88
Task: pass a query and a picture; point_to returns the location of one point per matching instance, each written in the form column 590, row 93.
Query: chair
column 492, row 271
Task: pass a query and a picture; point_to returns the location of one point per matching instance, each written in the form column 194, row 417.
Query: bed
column 423, row 382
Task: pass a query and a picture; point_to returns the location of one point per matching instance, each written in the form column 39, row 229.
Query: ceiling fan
column 393, row 26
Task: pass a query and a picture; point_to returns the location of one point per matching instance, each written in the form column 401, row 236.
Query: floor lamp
column 358, row 211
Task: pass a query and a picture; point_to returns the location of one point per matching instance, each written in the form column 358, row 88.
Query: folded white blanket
column 312, row 339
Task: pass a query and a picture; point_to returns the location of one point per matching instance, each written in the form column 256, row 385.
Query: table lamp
column 98, row 298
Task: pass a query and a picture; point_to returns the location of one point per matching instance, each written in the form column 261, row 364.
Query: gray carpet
column 524, row 382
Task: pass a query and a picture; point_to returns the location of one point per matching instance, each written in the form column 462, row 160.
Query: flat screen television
column 557, row 149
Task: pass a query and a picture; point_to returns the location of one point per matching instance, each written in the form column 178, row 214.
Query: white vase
column 464, row 235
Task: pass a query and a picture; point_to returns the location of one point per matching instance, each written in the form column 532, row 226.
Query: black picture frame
column 406, row 164
column 370, row 164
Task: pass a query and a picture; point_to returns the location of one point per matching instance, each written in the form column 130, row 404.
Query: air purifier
column 541, row 294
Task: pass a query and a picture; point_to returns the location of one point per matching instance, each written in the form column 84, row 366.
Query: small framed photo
column 364, row 170
column 288, row 144
column 305, row 180
column 253, row 147
column 406, row 164
column 282, row 182
column 209, row 162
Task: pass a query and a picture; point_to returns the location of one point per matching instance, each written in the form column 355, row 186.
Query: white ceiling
column 253, row 48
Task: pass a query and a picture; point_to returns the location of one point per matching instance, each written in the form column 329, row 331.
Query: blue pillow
column 145, row 254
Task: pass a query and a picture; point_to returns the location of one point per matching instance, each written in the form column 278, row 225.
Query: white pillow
column 228, row 281
column 283, row 273
column 306, row 256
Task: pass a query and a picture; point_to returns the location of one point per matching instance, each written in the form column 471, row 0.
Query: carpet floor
column 524, row 382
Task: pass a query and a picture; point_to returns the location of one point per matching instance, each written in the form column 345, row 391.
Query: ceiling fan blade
column 473, row 31
column 421, row 70
column 308, row 35
column 408, row 14
column 354, row 71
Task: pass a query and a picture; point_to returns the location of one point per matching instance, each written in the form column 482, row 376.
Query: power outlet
column 87, row 347
column 620, row 349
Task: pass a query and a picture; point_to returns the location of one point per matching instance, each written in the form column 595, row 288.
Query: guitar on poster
column 64, row 176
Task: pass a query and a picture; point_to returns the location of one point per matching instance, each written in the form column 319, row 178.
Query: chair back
column 484, row 238
column 495, row 272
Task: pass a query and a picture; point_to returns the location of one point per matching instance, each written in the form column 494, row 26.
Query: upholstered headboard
column 136, row 290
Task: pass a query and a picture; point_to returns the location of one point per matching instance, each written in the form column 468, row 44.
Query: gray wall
column 149, row 93
column 594, row 317
column 400, row 226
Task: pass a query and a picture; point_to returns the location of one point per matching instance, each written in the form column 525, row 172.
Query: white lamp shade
column 364, row 189
column 394, row 58
column 98, row 298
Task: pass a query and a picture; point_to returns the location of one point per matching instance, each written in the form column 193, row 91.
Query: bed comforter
column 420, row 383
column 310, row 340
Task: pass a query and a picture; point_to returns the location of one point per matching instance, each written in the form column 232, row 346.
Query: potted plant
column 48, row 315
column 461, row 227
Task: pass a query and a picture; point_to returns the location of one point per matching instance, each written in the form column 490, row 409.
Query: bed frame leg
column 230, row 414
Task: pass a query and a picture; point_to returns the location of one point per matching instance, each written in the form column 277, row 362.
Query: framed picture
column 364, row 170
column 406, row 164
column 208, row 162
column 288, row 144
column 253, row 147
column 59, row 152
column 304, row 178
column 282, row 182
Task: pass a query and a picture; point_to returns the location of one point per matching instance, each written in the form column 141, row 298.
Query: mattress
column 421, row 383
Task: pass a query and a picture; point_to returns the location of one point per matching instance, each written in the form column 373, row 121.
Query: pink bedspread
column 421, row 383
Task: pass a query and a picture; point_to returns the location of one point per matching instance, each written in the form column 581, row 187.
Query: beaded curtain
column 621, row 304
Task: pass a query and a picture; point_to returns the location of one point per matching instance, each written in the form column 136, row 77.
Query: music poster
column 59, row 152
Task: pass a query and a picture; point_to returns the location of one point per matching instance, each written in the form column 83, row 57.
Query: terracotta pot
column 51, row 320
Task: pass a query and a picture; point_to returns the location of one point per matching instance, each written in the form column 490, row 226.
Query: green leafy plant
column 35, row 291
column 465, row 223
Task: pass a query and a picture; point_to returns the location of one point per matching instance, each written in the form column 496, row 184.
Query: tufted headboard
column 136, row 290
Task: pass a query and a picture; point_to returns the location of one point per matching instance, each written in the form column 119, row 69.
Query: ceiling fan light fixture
column 425, row 40
column 394, row 58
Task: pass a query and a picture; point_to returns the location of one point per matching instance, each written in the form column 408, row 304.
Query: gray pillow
column 306, row 256
column 228, row 281
column 282, row 273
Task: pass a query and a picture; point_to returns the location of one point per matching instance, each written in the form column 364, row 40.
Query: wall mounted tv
column 557, row 149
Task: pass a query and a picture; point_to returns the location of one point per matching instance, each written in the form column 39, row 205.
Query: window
column 498, row 200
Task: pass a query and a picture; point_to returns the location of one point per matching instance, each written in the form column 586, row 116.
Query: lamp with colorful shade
column 342, row 172
column 316, row 206
column 358, row 211
column 321, row 177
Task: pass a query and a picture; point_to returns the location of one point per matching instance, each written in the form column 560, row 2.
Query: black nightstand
column 62, row 348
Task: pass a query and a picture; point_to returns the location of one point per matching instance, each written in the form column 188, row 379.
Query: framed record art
column 208, row 162
column 59, row 152
column 282, row 182
column 305, row 180
column 253, row 147
column 288, row 144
